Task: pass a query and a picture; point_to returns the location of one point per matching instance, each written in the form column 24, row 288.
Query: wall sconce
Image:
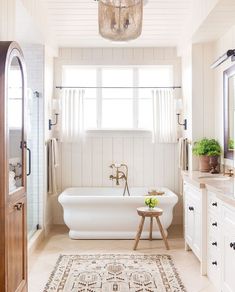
column 179, row 107
column 56, row 109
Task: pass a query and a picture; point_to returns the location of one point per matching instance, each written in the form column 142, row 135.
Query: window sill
column 118, row 132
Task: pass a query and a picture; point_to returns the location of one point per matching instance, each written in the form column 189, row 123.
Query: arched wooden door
column 13, row 152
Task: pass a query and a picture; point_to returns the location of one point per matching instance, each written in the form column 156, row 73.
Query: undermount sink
column 216, row 178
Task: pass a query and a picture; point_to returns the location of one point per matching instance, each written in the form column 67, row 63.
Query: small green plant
column 151, row 202
column 208, row 147
column 231, row 144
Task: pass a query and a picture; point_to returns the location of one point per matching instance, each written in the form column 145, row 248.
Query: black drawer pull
column 214, row 224
column 190, row 208
column 214, row 204
column 214, row 243
column 232, row 245
column 214, row 263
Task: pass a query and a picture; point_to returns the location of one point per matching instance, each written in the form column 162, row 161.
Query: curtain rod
column 119, row 87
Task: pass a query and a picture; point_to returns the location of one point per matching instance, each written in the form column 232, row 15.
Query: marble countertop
column 221, row 185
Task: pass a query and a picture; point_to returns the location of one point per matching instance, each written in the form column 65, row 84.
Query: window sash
column 136, row 96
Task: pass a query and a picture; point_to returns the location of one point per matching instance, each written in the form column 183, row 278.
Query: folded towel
column 183, row 153
column 53, row 163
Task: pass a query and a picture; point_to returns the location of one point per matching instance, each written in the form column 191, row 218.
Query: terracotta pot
column 204, row 163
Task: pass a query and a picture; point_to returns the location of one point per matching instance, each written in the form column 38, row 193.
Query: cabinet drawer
column 213, row 203
column 214, row 270
column 213, row 226
column 213, row 243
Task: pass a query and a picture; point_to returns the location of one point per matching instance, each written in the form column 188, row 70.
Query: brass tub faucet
column 120, row 174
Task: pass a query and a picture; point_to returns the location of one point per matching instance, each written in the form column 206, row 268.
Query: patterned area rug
column 110, row 272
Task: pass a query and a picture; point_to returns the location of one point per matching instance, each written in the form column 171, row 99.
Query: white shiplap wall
column 7, row 20
column 87, row 163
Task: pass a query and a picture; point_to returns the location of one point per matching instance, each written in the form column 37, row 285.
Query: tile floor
column 42, row 261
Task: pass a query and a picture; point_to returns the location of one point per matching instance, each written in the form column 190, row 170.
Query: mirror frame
column 228, row 154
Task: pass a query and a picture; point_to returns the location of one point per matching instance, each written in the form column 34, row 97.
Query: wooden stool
column 145, row 212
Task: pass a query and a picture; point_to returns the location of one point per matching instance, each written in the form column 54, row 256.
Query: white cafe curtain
column 164, row 117
column 72, row 127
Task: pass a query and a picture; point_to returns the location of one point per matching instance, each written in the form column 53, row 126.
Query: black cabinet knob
column 214, row 243
column 214, row 263
column 190, row 208
column 214, row 204
column 232, row 245
column 214, row 224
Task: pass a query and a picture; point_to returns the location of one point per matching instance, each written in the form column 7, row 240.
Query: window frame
column 135, row 94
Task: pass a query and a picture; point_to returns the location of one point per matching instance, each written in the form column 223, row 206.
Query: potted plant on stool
column 208, row 151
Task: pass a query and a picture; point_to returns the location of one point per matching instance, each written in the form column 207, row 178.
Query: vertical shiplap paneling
column 128, row 158
column 87, row 168
column 76, row 175
column 159, row 164
column 169, row 166
column 107, row 157
column 118, row 151
column 138, row 161
column 66, row 162
column 97, row 158
column 7, row 20
column 148, row 162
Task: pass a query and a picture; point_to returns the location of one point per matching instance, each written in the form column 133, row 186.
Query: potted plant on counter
column 208, row 151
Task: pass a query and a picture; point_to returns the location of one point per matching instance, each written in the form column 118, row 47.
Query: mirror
column 15, row 124
column 229, row 107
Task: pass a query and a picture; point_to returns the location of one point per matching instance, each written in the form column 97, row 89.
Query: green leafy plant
column 208, row 147
column 231, row 144
column 151, row 202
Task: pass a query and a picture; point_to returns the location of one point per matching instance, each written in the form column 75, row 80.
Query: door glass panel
column 15, row 124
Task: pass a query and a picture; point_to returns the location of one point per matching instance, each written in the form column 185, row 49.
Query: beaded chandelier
column 120, row 20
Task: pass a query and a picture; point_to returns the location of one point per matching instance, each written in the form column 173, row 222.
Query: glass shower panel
column 33, row 140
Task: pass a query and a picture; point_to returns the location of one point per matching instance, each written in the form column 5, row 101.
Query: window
column 113, row 98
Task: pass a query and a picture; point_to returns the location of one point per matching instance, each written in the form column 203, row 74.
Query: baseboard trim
column 35, row 241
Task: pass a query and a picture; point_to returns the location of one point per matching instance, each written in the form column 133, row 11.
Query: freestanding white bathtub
column 103, row 213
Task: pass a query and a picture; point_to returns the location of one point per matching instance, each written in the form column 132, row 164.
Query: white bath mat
column 110, row 272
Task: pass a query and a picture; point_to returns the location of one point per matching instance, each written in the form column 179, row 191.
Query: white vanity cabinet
column 228, row 248
column 194, row 222
column 209, row 221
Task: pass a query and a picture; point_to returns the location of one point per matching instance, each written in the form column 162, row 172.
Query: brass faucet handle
column 230, row 172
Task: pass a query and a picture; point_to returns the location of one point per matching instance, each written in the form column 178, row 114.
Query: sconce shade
column 120, row 20
column 178, row 105
column 56, row 105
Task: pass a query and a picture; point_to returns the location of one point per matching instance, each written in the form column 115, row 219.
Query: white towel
column 183, row 153
column 53, row 163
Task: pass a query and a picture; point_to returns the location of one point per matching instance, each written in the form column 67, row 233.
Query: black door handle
column 29, row 170
column 190, row 208
column 30, row 158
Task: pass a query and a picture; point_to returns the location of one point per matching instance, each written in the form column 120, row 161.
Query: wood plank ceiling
column 74, row 23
